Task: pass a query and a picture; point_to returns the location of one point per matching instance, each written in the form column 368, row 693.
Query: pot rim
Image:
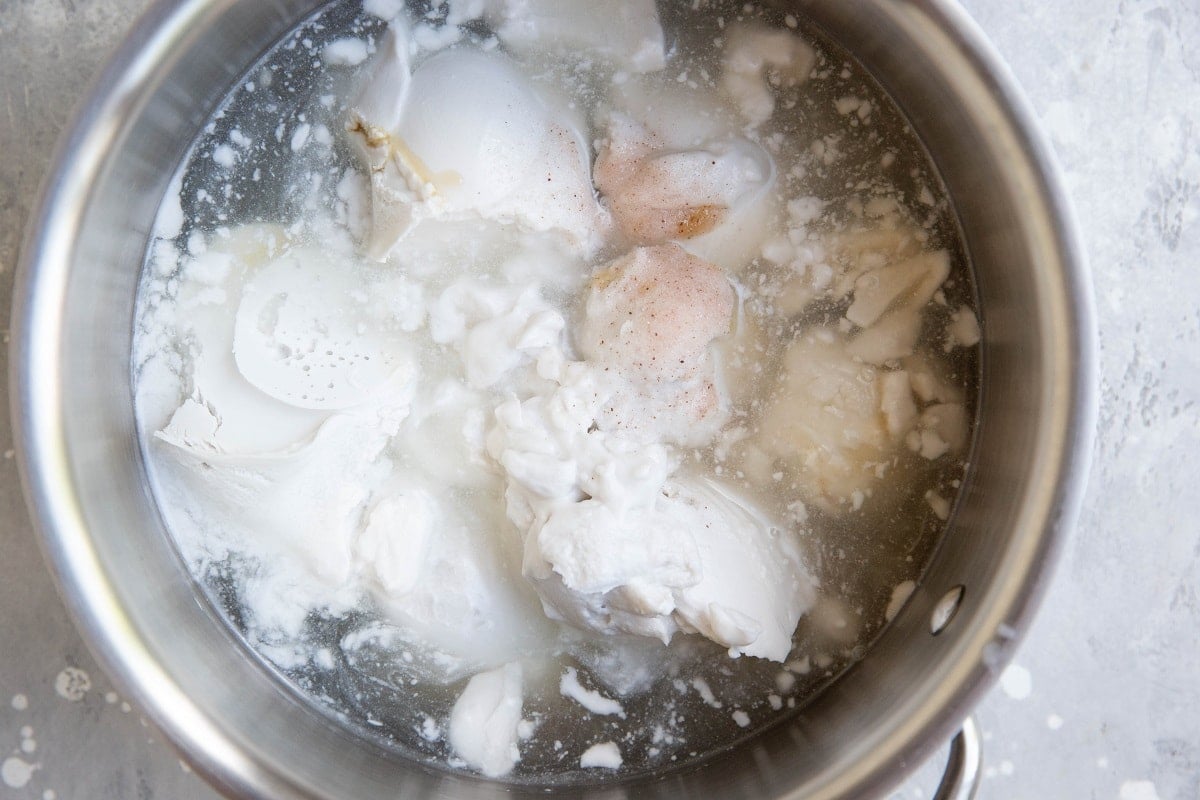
column 124, row 85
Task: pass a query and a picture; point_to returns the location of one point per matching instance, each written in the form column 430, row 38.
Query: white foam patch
column 16, row 772
column 72, row 684
column 1138, row 790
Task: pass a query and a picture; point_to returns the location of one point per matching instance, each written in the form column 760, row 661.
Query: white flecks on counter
column 72, row 684
column 485, row 719
column 593, row 701
column 347, row 52
column 28, row 743
column 939, row 505
column 705, row 691
column 300, row 136
column 225, row 156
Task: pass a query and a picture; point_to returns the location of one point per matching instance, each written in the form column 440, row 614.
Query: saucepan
column 251, row 735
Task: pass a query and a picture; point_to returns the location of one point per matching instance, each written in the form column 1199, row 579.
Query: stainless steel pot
column 248, row 733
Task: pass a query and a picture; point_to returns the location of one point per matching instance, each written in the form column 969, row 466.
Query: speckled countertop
column 1103, row 699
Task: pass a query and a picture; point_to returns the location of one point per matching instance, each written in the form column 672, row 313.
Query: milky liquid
column 275, row 154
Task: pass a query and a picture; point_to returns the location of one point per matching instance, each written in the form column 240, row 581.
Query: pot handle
column 960, row 781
